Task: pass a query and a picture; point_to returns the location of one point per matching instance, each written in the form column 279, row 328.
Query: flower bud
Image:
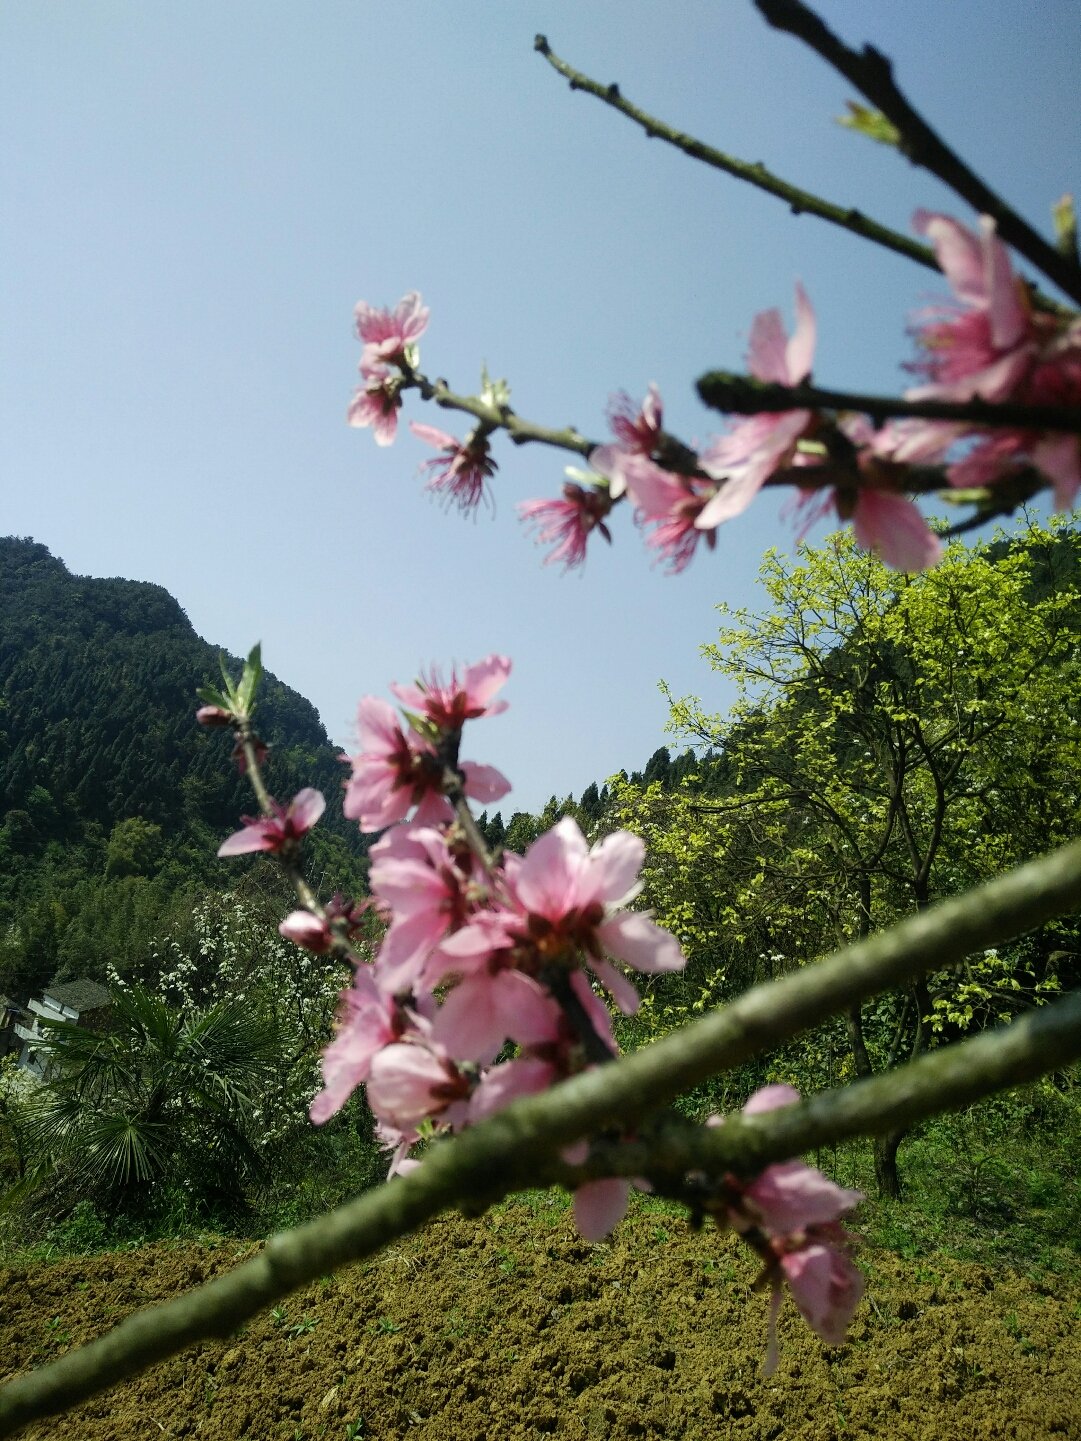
column 308, row 931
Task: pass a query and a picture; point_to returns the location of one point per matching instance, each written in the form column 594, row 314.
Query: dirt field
column 510, row 1327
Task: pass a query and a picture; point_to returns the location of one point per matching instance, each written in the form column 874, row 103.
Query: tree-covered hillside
column 112, row 799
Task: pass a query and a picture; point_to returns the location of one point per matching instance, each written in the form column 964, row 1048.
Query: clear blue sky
column 192, row 199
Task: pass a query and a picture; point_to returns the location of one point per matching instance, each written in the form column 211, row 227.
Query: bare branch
column 800, row 201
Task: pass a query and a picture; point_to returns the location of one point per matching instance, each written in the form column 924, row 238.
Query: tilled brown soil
column 510, row 1327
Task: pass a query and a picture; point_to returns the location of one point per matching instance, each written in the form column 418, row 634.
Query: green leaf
column 493, row 392
column 1064, row 215
column 871, row 123
column 423, row 726
column 249, row 681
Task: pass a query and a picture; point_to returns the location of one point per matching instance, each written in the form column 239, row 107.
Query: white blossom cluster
column 237, row 955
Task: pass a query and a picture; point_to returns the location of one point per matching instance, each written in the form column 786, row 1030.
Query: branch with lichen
column 871, row 72
column 1043, row 1041
column 506, row 1152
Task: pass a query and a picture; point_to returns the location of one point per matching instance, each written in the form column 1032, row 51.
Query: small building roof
column 79, row 996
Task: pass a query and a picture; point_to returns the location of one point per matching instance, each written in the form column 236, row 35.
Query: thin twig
column 800, row 201
column 871, row 72
column 498, row 417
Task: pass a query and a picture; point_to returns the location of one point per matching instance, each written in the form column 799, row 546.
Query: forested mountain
column 112, row 799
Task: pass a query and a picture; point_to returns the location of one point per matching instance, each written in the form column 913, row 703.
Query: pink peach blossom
column 493, row 1006
column 883, row 521
column 367, row 1021
column 672, row 505
column 394, row 771
column 798, row 1209
column 985, row 345
column 388, row 334
column 460, row 473
column 888, row 524
column 572, row 898
column 415, row 876
column 507, row 1082
column 894, row 528
column 638, row 431
column 744, row 459
column 599, row 1206
column 789, row 1197
column 377, row 403
column 449, row 703
column 993, row 345
column 308, row 931
column 568, row 523
column 412, row 1081
column 274, row 833
column 214, row 715
column 825, row 1284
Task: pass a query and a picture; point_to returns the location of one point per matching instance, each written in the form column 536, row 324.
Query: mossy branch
column 510, row 1150
column 944, row 1080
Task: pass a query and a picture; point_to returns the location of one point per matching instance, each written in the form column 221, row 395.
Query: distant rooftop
column 79, row 996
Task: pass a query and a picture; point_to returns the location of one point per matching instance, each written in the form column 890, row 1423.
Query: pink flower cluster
column 480, row 952
column 496, row 975
column 389, row 338
column 793, row 1213
column 681, row 509
column 991, row 343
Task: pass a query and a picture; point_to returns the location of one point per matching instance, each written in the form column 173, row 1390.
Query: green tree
column 894, row 739
column 134, row 848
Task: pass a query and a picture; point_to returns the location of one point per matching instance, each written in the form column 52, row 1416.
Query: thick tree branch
column 870, row 71
column 799, row 200
column 508, row 1151
column 946, row 1080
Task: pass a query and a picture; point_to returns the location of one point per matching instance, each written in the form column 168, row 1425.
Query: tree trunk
column 886, row 1175
column 884, row 1147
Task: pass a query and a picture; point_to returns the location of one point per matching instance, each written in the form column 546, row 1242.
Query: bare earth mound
column 510, row 1327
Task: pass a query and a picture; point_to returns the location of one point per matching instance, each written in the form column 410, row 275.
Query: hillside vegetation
column 112, row 800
